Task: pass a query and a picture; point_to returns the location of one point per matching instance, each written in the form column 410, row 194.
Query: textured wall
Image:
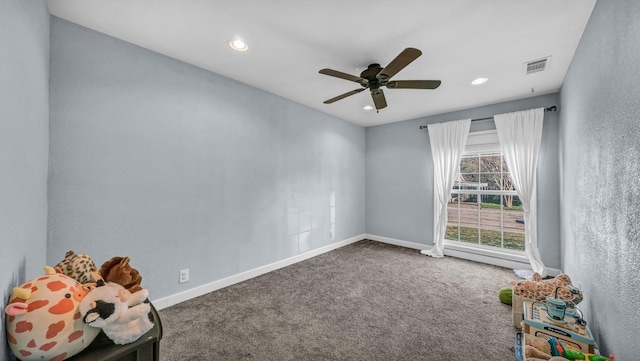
column 24, row 139
column 399, row 170
column 178, row 167
column 600, row 145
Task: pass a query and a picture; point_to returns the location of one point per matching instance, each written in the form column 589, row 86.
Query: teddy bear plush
column 537, row 349
column 123, row 316
column 118, row 270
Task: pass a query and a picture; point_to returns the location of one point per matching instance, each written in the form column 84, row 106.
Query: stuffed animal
column 536, row 349
column 77, row 266
column 118, row 270
column 122, row 315
column 533, row 354
column 43, row 322
column 539, row 289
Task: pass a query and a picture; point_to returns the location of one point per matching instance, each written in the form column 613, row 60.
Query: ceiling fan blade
column 414, row 84
column 342, row 96
column 379, row 99
column 403, row 59
column 341, row 75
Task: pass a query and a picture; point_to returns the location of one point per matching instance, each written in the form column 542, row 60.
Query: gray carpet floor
column 366, row 301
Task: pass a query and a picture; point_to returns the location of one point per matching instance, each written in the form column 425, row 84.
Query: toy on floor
column 122, row 315
column 43, row 322
column 118, row 270
column 506, row 295
column 539, row 289
column 77, row 266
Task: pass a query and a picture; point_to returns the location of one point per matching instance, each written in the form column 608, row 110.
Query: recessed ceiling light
column 478, row 81
column 238, row 45
column 367, row 107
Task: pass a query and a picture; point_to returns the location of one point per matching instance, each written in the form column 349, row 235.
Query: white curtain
column 520, row 134
column 447, row 145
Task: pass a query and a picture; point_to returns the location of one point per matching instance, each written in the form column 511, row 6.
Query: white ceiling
column 291, row 40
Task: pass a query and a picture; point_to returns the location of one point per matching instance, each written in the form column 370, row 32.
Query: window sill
column 497, row 257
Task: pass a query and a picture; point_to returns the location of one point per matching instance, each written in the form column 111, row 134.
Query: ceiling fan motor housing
column 371, row 75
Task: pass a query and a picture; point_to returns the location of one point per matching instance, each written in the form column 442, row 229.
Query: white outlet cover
column 184, row 275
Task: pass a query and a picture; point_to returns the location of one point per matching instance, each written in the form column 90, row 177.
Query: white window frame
column 485, row 142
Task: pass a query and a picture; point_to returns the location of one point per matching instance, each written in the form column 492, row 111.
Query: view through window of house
column 484, row 208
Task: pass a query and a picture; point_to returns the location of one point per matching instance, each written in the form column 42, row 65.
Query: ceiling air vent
column 536, row 66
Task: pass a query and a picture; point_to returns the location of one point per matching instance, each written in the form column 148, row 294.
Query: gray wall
column 178, row 167
column 600, row 146
column 399, row 182
column 24, row 139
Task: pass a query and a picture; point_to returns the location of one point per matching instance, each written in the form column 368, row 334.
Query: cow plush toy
column 122, row 315
column 43, row 321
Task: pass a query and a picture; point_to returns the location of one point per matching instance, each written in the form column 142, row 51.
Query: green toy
column 506, row 295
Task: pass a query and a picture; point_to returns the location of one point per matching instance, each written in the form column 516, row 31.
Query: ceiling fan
column 375, row 77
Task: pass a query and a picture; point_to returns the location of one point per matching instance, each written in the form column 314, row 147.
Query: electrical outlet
column 184, row 275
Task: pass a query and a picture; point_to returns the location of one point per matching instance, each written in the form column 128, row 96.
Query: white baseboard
column 397, row 242
column 493, row 258
column 176, row 298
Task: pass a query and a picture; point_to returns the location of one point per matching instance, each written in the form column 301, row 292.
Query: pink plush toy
column 43, row 321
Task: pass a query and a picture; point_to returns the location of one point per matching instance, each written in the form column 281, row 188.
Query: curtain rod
column 552, row 108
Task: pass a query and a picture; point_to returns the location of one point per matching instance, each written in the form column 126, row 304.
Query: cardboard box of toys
column 551, row 323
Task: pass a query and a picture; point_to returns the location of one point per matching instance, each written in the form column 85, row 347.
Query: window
column 484, row 209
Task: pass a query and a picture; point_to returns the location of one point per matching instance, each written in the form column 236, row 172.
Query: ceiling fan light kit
column 375, row 77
